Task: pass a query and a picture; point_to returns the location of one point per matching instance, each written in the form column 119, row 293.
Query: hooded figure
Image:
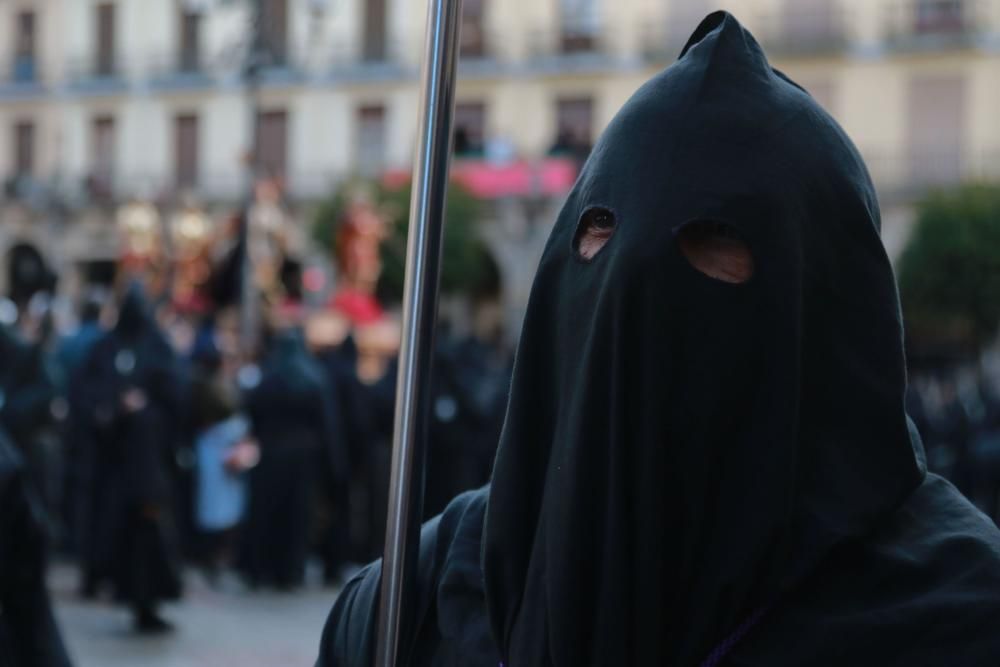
column 133, row 413
column 704, row 471
column 29, row 636
column 293, row 417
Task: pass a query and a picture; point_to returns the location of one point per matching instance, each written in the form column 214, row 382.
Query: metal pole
column 248, row 291
column 423, row 259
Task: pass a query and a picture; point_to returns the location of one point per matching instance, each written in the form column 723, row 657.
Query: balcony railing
column 571, row 47
column 935, row 24
column 912, row 173
column 179, row 70
column 356, row 62
column 21, row 76
column 89, row 73
column 805, row 31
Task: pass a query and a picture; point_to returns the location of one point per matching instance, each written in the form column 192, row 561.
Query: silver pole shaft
column 249, row 316
column 423, row 261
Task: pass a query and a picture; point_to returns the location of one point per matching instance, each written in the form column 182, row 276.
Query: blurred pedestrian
column 134, row 408
column 220, row 434
column 706, row 458
column 28, row 393
column 29, row 636
column 293, row 419
column 70, row 356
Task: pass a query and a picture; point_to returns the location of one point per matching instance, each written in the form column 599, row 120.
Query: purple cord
column 727, row 644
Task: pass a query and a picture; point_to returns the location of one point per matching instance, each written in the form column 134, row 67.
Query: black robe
column 27, row 391
column 698, row 472
column 29, row 636
column 454, row 631
column 293, row 417
column 130, row 528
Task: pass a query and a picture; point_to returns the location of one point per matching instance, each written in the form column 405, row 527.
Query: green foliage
column 949, row 274
column 466, row 266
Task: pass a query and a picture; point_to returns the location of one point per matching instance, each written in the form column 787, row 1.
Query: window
column 274, row 28
column 371, row 140
column 935, row 131
column 189, row 58
column 579, row 23
column 105, row 65
column 24, row 148
column 272, row 145
column 374, row 48
column 809, row 21
column 103, row 155
column 472, row 34
column 186, row 150
column 470, row 128
column 940, row 16
column 24, row 45
column 574, row 126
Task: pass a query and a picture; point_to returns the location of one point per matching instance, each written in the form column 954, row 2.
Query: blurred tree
column 949, row 273
column 465, row 267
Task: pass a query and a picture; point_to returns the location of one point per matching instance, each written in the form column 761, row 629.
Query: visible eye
column 716, row 249
column 595, row 228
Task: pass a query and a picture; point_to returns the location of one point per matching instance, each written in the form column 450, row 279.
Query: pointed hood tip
column 719, row 23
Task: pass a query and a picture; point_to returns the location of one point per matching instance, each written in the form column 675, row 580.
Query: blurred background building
column 131, row 111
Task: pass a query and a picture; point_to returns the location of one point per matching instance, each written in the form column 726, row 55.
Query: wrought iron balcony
column 21, row 77
column 370, row 62
column 574, row 46
column 92, row 73
column 936, row 24
column 179, row 70
column 805, row 31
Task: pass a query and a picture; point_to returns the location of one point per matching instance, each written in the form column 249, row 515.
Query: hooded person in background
column 28, row 394
column 29, row 636
column 292, row 417
column 706, row 458
column 134, row 417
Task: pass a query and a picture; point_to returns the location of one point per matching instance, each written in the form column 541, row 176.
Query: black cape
column 293, row 417
column 130, row 457
column 29, row 636
column 693, row 472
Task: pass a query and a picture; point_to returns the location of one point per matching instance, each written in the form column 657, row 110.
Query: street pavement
column 225, row 626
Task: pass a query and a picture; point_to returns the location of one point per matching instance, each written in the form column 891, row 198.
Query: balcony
column 478, row 56
column 573, row 48
column 22, row 78
column 805, row 31
column 358, row 63
column 179, row 71
column 96, row 75
column 905, row 176
column 931, row 25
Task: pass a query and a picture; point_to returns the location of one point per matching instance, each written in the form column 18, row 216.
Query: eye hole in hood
column 716, row 250
column 596, row 227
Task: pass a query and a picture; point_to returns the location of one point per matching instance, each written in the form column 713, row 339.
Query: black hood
column 680, row 451
column 134, row 314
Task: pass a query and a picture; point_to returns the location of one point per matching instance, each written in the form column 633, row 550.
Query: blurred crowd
column 957, row 411
column 151, row 438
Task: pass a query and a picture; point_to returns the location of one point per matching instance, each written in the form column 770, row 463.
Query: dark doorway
column 186, row 150
column 105, row 65
column 374, row 30
column 189, row 57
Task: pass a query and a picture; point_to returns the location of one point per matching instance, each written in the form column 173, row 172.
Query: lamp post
column 253, row 62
